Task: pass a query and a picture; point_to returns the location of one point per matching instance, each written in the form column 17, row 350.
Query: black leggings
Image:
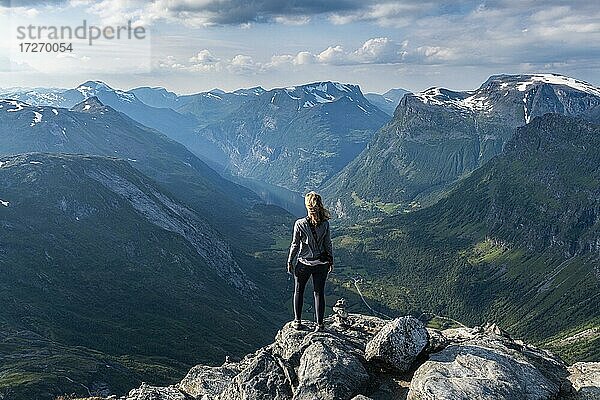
column 302, row 273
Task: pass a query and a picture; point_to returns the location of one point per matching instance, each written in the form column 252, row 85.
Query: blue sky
column 196, row 45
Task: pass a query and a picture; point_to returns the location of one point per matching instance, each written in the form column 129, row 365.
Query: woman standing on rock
column 311, row 242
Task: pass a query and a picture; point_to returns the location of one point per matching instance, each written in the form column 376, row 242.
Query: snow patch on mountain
column 362, row 108
column 468, row 101
column 554, row 79
column 19, row 106
column 480, row 100
column 213, row 96
column 37, row 118
column 255, row 91
column 93, row 88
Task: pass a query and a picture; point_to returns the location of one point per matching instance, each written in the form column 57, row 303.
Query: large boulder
column 488, row 367
column 585, row 381
column 204, row 382
column 398, row 343
column 266, row 377
column 291, row 343
column 328, row 371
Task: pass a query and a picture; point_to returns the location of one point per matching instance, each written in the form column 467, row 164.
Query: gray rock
column 389, row 387
column 328, row 371
column 437, row 341
column 398, row 343
column 265, row 377
column 204, row 382
column 488, row 367
column 585, row 381
column 464, row 363
column 147, row 392
column 459, row 335
column 290, row 343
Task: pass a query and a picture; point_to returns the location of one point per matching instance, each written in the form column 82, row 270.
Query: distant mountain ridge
column 196, row 121
column 387, row 101
column 295, row 137
column 173, row 124
column 439, row 135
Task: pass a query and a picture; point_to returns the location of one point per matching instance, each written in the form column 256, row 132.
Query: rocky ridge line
column 383, row 360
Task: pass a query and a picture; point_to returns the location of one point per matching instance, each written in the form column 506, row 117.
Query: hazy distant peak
column 90, row 105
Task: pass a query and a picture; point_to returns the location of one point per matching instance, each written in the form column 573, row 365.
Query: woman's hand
column 290, row 268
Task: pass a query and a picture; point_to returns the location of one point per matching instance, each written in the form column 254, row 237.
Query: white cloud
column 242, row 64
column 292, row 20
column 205, row 62
column 380, row 51
column 499, row 34
column 396, row 14
column 334, row 55
column 304, row 57
column 375, row 51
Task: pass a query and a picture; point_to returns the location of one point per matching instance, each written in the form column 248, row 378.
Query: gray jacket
column 303, row 242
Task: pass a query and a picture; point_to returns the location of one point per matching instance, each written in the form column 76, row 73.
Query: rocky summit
column 372, row 358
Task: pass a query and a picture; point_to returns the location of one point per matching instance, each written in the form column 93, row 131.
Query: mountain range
column 388, row 101
column 249, row 134
column 438, row 136
column 470, row 205
column 296, row 137
column 515, row 242
column 185, row 200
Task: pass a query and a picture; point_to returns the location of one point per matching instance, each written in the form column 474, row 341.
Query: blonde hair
column 316, row 210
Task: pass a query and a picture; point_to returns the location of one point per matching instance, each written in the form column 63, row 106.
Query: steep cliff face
column 371, row 358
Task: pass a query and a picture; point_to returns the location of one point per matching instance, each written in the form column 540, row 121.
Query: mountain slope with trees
column 516, row 242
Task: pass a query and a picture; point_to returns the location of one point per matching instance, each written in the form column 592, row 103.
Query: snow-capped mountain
column 531, row 95
column 314, row 94
column 439, row 135
column 67, row 98
column 55, row 97
column 102, row 90
column 295, row 137
column 167, row 121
